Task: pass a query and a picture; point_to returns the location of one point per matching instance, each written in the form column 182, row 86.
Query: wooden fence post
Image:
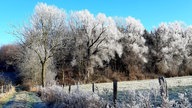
column 2, row 89
column 10, row 87
column 93, row 87
column 115, row 92
column 163, row 92
column 78, row 86
column 7, row 87
column 69, row 88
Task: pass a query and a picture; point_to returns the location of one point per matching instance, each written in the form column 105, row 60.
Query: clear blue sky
column 150, row 12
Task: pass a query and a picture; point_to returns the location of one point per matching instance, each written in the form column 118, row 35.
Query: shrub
column 56, row 97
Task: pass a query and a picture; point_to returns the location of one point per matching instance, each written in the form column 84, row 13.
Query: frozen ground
column 135, row 85
column 24, row 100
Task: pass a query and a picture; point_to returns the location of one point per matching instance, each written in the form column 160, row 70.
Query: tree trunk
column 63, row 77
column 43, row 74
column 89, row 71
column 89, row 67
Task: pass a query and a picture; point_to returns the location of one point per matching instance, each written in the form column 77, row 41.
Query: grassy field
column 136, row 85
column 176, row 85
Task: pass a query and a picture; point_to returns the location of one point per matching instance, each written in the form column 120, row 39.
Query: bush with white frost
column 56, row 97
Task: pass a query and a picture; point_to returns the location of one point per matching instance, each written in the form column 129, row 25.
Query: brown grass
column 130, row 72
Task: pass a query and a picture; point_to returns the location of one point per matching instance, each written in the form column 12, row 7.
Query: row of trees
column 170, row 49
column 54, row 40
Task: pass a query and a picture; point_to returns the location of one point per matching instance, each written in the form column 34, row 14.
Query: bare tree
column 43, row 34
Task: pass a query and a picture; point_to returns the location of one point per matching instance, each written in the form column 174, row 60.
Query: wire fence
column 5, row 88
column 5, row 85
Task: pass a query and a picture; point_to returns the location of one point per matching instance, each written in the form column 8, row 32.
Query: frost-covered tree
column 187, row 62
column 43, row 34
column 134, row 48
column 170, row 47
column 134, row 35
column 29, row 66
column 95, row 39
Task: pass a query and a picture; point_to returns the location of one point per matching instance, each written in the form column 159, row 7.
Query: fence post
column 163, row 92
column 4, row 87
column 78, row 86
column 93, row 87
column 114, row 92
column 10, row 87
column 1, row 89
column 7, row 87
column 69, row 88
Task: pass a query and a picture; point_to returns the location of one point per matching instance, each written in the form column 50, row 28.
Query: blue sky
column 150, row 12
